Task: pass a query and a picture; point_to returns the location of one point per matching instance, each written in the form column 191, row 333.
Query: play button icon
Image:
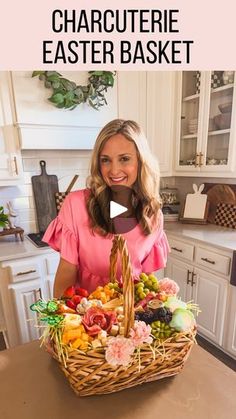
column 122, row 210
column 116, row 209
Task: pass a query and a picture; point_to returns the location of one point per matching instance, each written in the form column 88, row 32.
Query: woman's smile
column 118, row 179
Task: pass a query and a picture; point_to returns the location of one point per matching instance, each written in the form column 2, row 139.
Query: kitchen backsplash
column 185, row 184
column 65, row 164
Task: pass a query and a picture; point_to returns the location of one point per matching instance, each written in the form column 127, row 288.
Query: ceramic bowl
column 225, row 107
column 222, row 121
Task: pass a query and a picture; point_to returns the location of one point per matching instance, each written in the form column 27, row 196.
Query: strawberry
column 70, row 304
column 76, row 299
column 69, row 292
column 81, row 291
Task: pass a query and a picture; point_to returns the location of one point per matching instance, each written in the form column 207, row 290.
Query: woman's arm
column 66, row 275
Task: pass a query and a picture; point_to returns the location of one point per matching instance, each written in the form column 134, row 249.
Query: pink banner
column 134, row 35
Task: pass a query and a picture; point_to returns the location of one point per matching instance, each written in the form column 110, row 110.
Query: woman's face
column 118, row 161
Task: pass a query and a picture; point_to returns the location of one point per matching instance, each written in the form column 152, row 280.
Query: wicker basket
column 89, row 373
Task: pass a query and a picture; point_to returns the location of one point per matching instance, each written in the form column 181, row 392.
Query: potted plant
column 3, row 219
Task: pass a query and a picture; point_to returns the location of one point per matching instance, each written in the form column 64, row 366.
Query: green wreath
column 67, row 95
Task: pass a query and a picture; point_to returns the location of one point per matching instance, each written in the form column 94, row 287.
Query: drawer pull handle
column 177, row 250
column 26, row 272
column 192, row 282
column 39, row 292
column 208, row 261
column 188, row 275
column 16, row 168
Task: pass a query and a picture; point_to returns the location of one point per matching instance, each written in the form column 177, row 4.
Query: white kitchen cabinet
column 210, row 293
column 49, row 265
column 10, row 155
column 149, row 99
column 206, row 290
column 203, row 276
column 230, row 329
column 161, row 117
column 206, row 137
column 24, row 281
column 25, row 294
column 181, row 273
column 132, row 96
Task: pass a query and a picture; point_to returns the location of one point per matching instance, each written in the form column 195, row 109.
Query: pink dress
column 69, row 234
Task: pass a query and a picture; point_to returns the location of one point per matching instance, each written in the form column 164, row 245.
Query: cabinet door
column 190, row 99
column 218, row 132
column 206, row 129
column 50, row 265
column 161, row 117
column 210, row 293
column 25, row 294
column 132, row 87
column 181, row 273
column 230, row 324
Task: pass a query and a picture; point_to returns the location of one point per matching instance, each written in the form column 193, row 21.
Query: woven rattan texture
column 90, row 374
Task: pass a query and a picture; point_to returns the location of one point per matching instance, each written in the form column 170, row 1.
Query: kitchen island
column 33, row 386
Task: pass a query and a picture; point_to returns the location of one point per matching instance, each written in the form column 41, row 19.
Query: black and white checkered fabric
column 216, row 79
column 59, row 197
column 226, row 215
column 198, row 81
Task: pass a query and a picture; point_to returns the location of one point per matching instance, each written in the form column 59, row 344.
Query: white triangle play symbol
column 116, row 209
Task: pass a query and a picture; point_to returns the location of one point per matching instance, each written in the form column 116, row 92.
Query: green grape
column 153, row 278
column 143, row 276
column 142, row 295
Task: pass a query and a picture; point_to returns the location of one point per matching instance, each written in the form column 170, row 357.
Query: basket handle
column 119, row 246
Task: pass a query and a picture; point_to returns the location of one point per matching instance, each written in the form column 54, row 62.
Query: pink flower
column 140, row 333
column 119, row 351
column 168, row 286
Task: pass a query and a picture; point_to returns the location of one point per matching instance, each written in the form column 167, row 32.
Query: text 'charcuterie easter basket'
column 119, row 336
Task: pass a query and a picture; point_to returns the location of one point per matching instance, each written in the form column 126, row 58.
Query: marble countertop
column 220, row 237
column 15, row 249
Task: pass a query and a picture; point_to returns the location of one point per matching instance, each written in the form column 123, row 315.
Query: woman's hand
column 66, row 275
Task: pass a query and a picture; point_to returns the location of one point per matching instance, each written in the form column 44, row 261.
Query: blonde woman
column 124, row 170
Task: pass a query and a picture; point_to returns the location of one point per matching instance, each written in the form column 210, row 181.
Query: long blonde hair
column 145, row 189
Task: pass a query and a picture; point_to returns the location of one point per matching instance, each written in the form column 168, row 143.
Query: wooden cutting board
column 219, row 194
column 44, row 188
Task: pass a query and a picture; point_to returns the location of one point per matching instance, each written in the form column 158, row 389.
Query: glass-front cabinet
column 206, row 127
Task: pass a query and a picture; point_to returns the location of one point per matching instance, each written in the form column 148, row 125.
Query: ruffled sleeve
column 157, row 257
column 61, row 233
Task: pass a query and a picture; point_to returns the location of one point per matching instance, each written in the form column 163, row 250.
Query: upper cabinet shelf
column 192, row 97
column 222, row 88
column 206, row 127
